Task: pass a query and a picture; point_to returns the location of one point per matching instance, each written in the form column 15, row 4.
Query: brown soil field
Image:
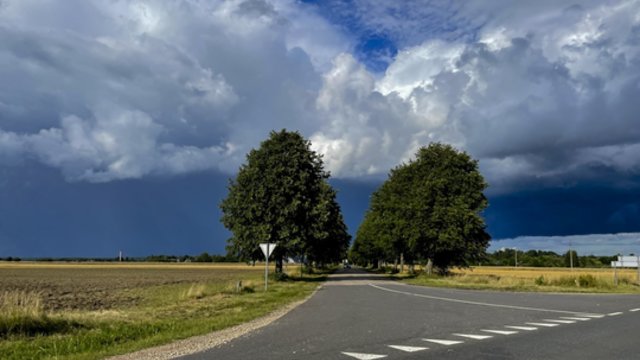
column 90, row 286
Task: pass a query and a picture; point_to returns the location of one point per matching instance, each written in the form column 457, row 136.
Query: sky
column 121, row 121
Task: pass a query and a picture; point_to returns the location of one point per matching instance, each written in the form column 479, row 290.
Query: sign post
column 625, row 262
column 267, row 249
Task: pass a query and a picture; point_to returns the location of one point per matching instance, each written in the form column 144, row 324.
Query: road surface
column 356, row 315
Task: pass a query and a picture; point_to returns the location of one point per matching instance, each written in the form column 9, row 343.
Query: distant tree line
column 204, row 257
column 539, row 258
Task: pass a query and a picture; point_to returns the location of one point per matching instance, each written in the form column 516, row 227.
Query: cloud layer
column 592, row 244
column 540, row 93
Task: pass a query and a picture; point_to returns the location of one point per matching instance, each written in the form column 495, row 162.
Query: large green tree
column 430, row 209
column 281, row 195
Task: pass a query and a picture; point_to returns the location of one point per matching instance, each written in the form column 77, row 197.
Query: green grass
column 163, row 313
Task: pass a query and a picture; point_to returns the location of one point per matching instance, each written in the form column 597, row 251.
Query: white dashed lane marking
column 525, row 328
column 444, row 342
column 474, row 337
column 593, row 316
column 634, row 310
column 615, row 313
column 542, row 324
column 561, row 321
column 500, row 332
column 408, row 348
column 575, row 318
column 361, row 356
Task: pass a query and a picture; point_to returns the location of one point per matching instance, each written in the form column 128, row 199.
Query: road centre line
column 634, row 310
column 473, row 336
column 542, row 324
column 526, row 328
column 444, row 342
column 615, row 313
column 500, row 332
column 469, row 302
column 361, row 356
column 408, row 348
column 575, row 318
column 560, row 321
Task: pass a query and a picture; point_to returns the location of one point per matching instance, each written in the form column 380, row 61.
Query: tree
column 571, row 259
column 330, row 239
column 430, row 209
column 281, row 195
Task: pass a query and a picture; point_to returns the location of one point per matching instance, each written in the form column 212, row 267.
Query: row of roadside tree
column 428, row 210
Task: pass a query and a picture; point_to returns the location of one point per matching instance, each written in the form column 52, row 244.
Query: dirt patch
column 94, row 288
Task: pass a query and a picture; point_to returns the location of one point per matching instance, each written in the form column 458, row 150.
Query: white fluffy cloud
column 124, row 89
column 543, row 102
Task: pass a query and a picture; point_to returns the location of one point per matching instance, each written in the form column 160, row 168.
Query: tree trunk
column 395, row 264
column 279, row 264
column 429, row 268
column 401, row 262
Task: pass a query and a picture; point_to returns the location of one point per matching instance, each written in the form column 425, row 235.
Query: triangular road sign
column 267, row 248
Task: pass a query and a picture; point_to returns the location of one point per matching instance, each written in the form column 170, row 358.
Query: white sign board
column 267, row 248
column 626, row 261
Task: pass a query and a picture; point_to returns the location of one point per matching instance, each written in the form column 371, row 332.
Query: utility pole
column 516, row 249
column 570, row 255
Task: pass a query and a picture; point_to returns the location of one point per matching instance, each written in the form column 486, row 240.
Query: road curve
column 357, row 315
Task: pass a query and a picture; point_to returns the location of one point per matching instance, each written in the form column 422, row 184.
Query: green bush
column 541, row 281
column 587, row 280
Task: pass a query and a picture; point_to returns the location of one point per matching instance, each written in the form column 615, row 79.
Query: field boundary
column 200, row 343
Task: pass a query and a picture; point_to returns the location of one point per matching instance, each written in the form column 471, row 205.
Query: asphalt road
column 356, row 315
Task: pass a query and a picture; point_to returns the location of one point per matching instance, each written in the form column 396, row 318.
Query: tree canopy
column 428, row 209
column 281, row 195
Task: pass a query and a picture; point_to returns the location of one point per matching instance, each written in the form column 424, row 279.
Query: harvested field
column 92, row 310
column 65, row 286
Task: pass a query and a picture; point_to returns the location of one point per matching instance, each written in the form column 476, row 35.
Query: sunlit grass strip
column 22, row 314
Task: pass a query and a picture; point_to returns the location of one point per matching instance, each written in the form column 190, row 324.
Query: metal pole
column 516, row 256
column 615, row 274
column 638, row 263
column 266, row 270
column 570, row 255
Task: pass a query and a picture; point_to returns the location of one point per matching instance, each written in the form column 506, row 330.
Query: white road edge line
column 500, row 332
column 634, row 310
column 476, row 302
column 542, row 324
column 525, row 328
column 615, row 313
column 473, row 336
column 408, row 348
column 361, row 356
column 444, row 342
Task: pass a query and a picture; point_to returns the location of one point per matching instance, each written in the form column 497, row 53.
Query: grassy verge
column 162, row 313
column 530, row 279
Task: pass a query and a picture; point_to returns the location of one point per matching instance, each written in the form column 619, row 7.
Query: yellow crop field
column 536, row 279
